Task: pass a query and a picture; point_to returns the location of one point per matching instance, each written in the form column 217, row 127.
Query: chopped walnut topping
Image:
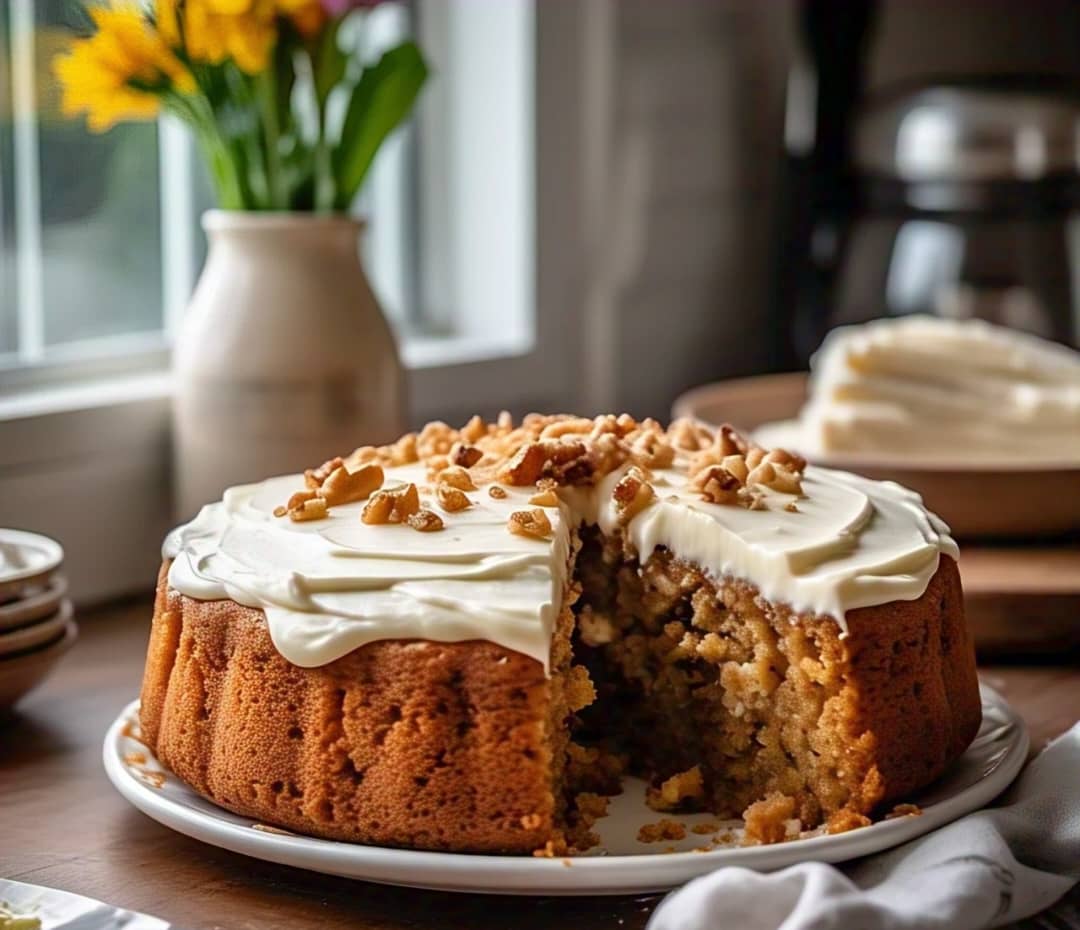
column 754, row 457
column 404, row 451
column 790, row 460
column 565, row 460
column 435, row 438
column 688, row 435
column 736, row 465
column 465, row 455
column 345, row 487
column 762, row 474
column 314, row 477
column 553, row 451
column 651, row 450
column 717, row 485
column 632, row 494
column 473, row 430
column 425, row 521
column 545, row 499
column 393, row 506
column 778, row 477
column 300, row 498
column 567, row 426
column 533, row 523
column 456, row 477
column 451, row 499
column 314, row 509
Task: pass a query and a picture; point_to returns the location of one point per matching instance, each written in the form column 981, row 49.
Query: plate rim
column 54, row 555
column 37, row 634
column 522, row 875
column 41, row 605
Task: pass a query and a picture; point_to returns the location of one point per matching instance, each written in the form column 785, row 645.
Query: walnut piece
column 465, row 455
column 425, row 521
column 565, row 460
column 314, row 509
column 456, row 477
column 717, row 485
column 496, row 492
column 534, row 523
column 451, row 499
column 344, row 487
column 632, row 494
column 314, row 477
column 393, row 506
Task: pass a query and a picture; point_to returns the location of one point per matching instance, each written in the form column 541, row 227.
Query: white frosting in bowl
column 927, row 389
column 331, row 585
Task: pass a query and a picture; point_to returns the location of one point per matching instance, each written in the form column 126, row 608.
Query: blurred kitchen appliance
column 815, row 186
column 946, row 195
column 966, row 201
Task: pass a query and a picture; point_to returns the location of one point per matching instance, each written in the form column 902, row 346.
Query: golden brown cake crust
column 445, row 745
column 400, row 743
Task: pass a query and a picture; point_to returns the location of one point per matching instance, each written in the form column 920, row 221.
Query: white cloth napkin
column 989, row 868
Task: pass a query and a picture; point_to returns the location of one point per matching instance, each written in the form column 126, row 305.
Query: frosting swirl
column 932, row 389
column 332, row 585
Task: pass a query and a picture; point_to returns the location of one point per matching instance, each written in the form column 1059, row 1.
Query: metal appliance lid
column 965, row 133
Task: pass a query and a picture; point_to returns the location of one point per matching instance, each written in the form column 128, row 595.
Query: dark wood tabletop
column 63, row 825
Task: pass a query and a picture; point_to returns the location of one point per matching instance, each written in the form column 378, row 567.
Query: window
column 99, row 238
column 475, row 246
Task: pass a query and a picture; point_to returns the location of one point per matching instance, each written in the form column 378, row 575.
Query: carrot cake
column 463, row 640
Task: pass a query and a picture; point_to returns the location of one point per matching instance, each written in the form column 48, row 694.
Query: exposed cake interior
column 717, row 699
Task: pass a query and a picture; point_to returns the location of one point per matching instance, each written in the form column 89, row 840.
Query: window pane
column 101, row 231
column 8, row 319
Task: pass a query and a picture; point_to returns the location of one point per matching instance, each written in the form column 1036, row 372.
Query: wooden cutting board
column 1022, row 600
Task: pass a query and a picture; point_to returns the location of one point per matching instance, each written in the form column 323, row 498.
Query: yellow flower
column 119, row 72
column 308, row 16
column 243, row 30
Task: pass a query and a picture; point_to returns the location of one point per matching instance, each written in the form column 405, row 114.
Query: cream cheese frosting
column 933, row 389
column 331, row 585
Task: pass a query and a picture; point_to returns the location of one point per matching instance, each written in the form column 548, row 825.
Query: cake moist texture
column 463, row 641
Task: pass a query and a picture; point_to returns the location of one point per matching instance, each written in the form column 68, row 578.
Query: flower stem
column 267, row 88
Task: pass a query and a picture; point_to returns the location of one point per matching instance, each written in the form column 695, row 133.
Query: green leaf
column 380, row 101
column 329, row 65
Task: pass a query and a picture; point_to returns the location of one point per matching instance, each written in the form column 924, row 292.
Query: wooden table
column 63, row 825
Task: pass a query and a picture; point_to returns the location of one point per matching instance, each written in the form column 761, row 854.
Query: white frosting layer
column 331, row 585
column 932, row 389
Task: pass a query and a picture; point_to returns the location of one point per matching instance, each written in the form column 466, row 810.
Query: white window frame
column 87, row 459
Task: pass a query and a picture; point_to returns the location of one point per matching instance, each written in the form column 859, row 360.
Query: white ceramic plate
column 622, row 866
column 37, row 634
column 35, row 607
column 26, row 561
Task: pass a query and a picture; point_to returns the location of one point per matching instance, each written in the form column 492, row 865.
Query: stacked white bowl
column 36, row 620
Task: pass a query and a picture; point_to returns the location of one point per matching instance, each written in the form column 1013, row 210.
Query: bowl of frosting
column 982, row 420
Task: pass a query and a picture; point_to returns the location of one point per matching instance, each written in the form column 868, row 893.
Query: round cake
column 462, row 641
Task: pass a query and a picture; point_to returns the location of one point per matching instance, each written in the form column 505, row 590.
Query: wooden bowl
column 977, row 502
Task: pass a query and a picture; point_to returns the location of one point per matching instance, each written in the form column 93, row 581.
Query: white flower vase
column 284, row 358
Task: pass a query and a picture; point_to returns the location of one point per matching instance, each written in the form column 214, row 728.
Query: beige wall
column 684, row 135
